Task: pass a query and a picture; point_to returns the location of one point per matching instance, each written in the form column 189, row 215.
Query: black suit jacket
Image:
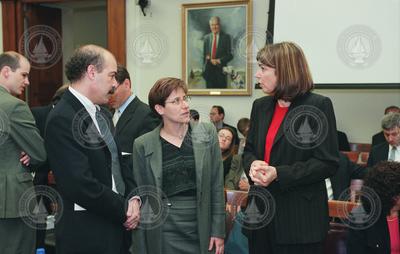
column 347, row 170
column 82, row 170
column 373, row 240
column 378, row 153
column 343, row 141
column 300, row 195
column 136, row 120
column 40, row 114
column 378, row 138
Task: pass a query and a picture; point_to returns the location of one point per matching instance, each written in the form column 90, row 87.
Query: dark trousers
column 264, row 244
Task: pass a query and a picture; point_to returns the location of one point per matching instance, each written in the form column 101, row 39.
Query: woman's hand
column 218, row 243
column 261, row 173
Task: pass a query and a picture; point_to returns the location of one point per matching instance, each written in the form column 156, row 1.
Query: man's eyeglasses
column 178, row 101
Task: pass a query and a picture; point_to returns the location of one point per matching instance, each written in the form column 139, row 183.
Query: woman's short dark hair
column 162, row 89
column 291, row 69
column 384, row 179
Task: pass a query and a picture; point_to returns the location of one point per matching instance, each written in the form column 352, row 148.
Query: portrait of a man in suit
column 215, row 49
column 217, row 53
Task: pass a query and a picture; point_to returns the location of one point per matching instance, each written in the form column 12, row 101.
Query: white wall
column 82, row 26
column 358, row 112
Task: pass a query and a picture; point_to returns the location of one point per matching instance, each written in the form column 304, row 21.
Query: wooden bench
column 360, row 147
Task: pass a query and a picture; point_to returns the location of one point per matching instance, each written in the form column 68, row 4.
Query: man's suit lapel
column 127, row 115
column 81, row 114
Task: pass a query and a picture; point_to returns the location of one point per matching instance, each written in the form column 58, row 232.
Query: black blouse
column 179, row 170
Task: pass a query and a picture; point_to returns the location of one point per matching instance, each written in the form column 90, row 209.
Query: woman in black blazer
column 383, row 235
column 291, row 148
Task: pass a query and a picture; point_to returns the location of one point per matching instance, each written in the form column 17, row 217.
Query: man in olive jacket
column 20, row 146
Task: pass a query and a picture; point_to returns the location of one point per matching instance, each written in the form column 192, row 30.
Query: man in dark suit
column 86, row 161
column 389, row 150
column 347, row 171
column 217, row 115
column 132, row 118
column 20, row 146
column 41, row 173
column 379, row 138
column 216, row 54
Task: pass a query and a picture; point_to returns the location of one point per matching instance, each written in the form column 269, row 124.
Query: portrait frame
column 204, row 61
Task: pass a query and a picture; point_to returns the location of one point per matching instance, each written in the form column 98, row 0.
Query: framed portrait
column 217, row 47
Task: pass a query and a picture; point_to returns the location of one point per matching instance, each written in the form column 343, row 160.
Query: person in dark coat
column 380, row 234
column 286, row 157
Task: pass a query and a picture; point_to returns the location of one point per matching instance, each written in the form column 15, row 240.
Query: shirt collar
column 88, row 104
column 124, row 105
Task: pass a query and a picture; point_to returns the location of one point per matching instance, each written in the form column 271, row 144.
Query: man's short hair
column 122, row 74
column 242, row 124
column 84, row 56
column 390, row 121
column 194, row 114
column 392, row 108
column 216, row 18
column 220, row 109
column 10, row 59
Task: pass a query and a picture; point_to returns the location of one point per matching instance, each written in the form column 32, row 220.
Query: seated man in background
column 347, row 171
column 389, row 150
column 379, row 138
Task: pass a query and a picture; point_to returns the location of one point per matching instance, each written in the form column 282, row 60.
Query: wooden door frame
column 13, row 24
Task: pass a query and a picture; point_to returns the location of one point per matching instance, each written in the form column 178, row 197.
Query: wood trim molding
column 116, row 29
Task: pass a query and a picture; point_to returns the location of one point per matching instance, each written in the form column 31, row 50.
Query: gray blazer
column 147, row 170
column 17, row 133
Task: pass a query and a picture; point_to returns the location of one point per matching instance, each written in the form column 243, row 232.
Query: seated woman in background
column 227, row 141
column 383, row 235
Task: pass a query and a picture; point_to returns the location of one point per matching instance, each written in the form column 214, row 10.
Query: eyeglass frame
column 178, row 101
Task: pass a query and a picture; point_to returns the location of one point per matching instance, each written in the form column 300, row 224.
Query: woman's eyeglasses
column 178, row 101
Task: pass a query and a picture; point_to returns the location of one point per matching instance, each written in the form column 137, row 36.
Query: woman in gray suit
column 182, row 161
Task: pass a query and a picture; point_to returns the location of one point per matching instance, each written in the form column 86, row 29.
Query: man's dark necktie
column 109, row 140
